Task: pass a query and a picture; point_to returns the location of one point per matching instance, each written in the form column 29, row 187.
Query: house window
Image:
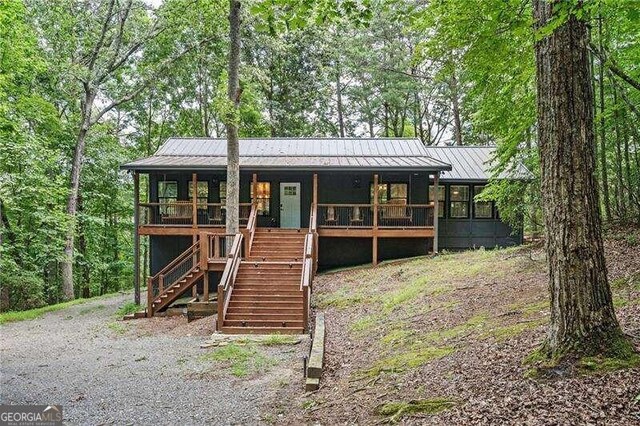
column 398, row 193
column 203, row 193
column 222, row 192
column 481, row 209
column 440, row 198
column 459, row 197
column 382, row 193
column 167, row 194
column 390, row 192
column 262, row 197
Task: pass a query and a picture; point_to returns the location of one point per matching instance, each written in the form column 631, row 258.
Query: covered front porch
column 355, row 204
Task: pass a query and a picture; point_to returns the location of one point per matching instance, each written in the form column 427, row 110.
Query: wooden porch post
column 315, row 188
column 206, row 285
column 194, row 203
column 254, row 190
column 136, row 238
column 436, row 204
column 194, row 219
column 375, row 219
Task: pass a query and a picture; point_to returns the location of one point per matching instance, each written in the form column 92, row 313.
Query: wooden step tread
column 261, row 330
column 263, row 323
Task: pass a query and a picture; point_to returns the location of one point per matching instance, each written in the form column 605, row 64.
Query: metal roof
column 467, row 163
column 292, row 153
column 473, row 163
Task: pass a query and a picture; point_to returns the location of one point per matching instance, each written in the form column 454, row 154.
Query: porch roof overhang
column 285, row 154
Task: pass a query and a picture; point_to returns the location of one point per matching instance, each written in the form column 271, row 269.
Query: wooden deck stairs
column 266, row 295
column 175, row 279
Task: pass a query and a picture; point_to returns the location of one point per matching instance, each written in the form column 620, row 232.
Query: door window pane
column 459, row 196
column 482, row 209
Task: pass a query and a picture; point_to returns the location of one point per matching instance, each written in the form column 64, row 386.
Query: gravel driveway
column 148, row 371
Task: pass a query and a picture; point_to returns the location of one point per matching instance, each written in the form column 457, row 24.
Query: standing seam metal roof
column 388, row 153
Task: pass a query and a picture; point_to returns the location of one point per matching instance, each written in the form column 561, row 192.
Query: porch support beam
column 194, row 202
column 254, row 189
column 436, row 204
column 315, row 189
column 136, row 237
column 375, row 220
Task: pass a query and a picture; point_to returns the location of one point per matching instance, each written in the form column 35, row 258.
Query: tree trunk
column 233, row 93
column 619, row 187
column 455, row 107
column 582, row 316
column 603, row 140
column 339, row 96
column 66, row 265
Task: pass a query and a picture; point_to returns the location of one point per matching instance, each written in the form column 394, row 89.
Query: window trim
column 451, row 201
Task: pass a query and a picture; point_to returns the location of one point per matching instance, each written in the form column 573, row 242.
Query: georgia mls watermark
column 30, row 415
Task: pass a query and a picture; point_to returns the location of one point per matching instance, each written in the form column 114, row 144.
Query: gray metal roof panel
column 388, row 153
column 473, row 163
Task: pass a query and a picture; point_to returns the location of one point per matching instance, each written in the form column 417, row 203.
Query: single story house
column 326, row 202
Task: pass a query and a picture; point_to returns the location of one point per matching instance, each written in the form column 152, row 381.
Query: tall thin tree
column 232, row 117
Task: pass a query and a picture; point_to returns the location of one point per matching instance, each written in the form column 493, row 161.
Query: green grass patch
column 127, row 308
column 341, row 298
column 279, row 339
column 604, row 364
column 117, row 327
column 242, row 360
column 506, row 332
column 31, row 314
column 365, row 323
column 405, row 360
column 396, row 410
column 630, row 282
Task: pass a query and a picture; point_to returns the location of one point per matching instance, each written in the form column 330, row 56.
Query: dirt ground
column 429, row 341
column 442, row 341
column 148, row 371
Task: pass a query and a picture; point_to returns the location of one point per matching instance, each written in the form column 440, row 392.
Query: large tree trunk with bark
column 582, row 316
column 233, row 92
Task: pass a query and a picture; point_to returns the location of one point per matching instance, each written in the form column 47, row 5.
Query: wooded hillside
column 87, row 86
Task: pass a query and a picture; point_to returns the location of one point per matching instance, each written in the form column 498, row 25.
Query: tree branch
column 610, row 63
column 147, row 81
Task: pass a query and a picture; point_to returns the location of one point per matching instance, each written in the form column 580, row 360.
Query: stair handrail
column 308, row 269
column 251, row 227
column 225, row 287
column 189, row 255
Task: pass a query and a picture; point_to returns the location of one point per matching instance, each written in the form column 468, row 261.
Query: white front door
column 290, row 205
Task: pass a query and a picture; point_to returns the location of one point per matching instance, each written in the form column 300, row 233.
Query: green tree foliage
column 445, row 71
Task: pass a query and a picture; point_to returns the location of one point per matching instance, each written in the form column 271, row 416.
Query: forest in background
column 122, row 76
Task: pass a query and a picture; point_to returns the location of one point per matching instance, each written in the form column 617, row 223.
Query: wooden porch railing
column 390, row 215
column 309, row 265
column 225, row 287
column 250, row 230
column 217, row 245
column 179, row 213
column 171, row 274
